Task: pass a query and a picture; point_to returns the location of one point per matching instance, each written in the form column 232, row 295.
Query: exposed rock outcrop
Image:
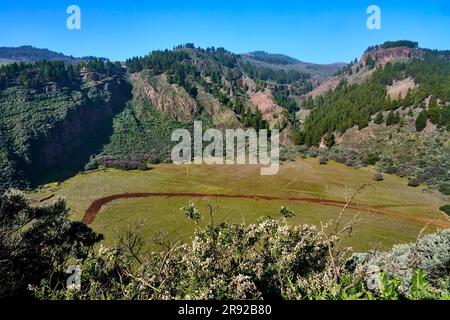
column 384, row 56
column 399, row 89
column 271, row 112
column 167, row 98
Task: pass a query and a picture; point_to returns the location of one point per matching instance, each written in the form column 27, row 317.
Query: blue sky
column 321, row 32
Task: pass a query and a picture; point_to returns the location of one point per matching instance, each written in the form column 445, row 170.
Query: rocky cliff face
column 384, row 56
column 83, row 131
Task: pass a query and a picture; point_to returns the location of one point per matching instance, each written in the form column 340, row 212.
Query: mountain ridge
column 172, row 88
column 285, row 62
column 30, row 54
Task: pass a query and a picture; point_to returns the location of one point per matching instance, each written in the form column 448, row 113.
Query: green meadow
column 404, row 211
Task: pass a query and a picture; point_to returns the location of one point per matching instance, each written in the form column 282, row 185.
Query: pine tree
column 397, row 118
column 370, row 63
column 329, row 140
column 390, row 119
column 421, row 121
column 434, row 112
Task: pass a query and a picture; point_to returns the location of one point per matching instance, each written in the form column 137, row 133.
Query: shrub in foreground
column 269, row 259
column 37, row 242
column 429, row 256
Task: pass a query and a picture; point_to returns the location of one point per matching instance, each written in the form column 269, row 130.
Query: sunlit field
column 402, row 211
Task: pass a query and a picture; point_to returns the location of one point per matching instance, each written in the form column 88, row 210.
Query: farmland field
column 390, row 212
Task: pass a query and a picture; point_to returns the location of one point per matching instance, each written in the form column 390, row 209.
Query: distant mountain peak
column 284, row 62
column 30, row 54
column 273, row 58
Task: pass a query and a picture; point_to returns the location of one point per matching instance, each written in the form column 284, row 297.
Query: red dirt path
column 95, row 206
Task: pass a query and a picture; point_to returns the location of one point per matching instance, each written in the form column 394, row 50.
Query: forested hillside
column 61, row 117
column 54, row 116
column 217, row 71
column 65, row 115
column 390, row 109
column 404, row 104
column 351, row 105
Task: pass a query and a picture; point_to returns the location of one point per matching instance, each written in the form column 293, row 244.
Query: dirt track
column 95, row 206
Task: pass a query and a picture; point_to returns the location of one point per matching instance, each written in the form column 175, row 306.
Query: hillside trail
column 94, row 208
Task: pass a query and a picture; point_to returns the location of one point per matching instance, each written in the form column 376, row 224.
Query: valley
column 220, row 158
column 98, row 135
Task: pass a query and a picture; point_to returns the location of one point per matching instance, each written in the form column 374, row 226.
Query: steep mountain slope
column 388, row 86
column 53, row 119
column 58, row 117
column 374, row 57
column 222, row 85
column 393, row 106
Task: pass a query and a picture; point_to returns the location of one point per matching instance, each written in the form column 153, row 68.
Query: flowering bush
column 431, row 254
column 265, row 260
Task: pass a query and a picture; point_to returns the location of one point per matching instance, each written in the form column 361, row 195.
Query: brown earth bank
column 96, row 205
